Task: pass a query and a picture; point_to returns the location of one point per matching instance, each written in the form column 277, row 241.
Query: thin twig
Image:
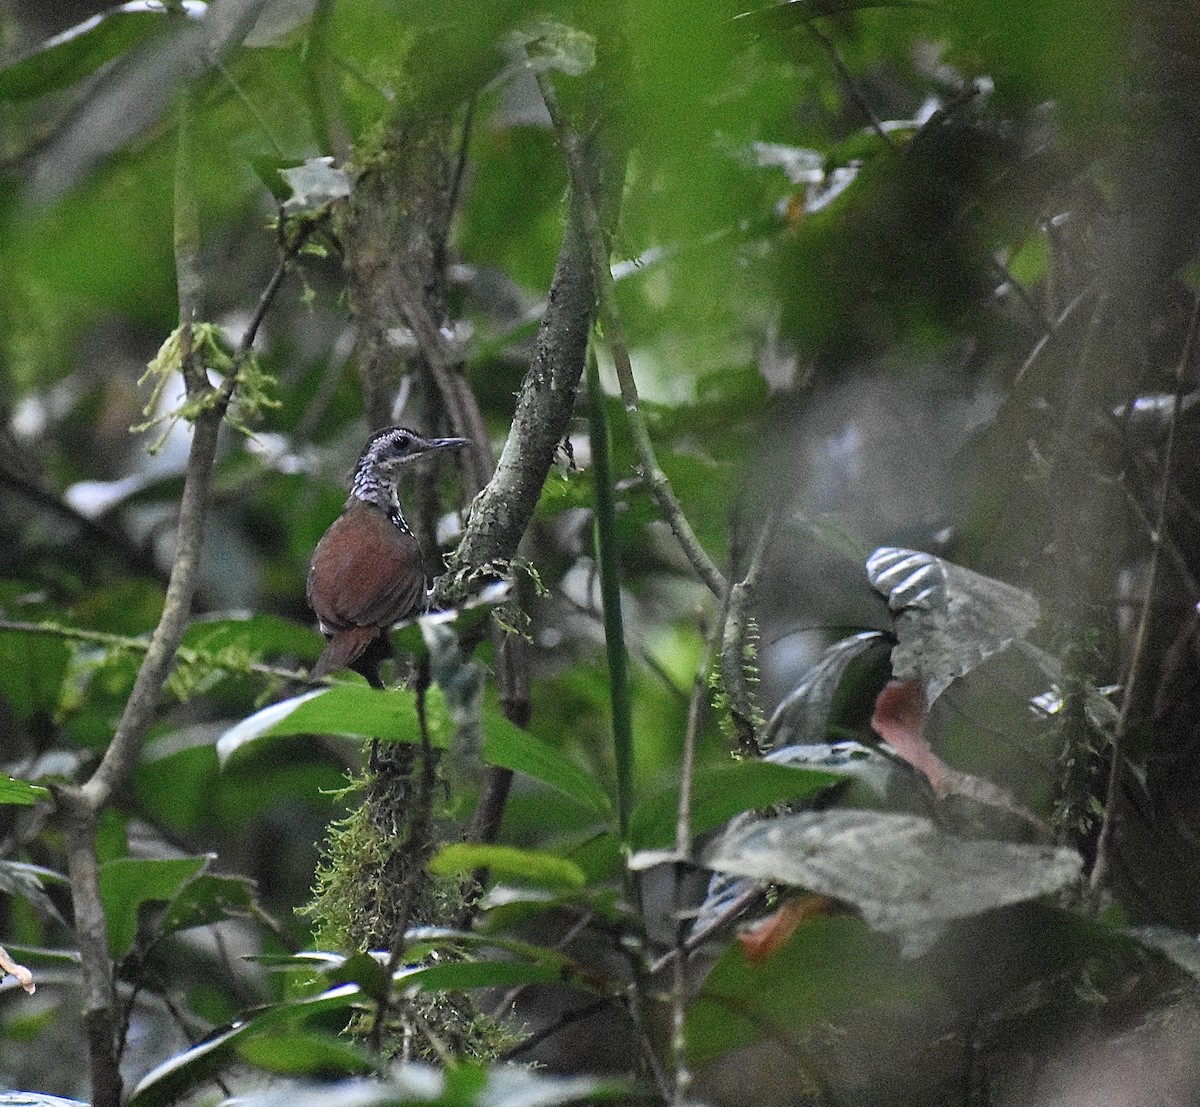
column 683, row 816
column 614, row 333
column 1170, row 547
column 464, row 150
column 263, row 125
column 142, row 645
column 755, row 894
column 1044, row 341
column 1113, row 791
column 608, row 563
column 851, row 85
column 577, row 1014
column 1021, row 293
column 513, row 994
column 268, row 294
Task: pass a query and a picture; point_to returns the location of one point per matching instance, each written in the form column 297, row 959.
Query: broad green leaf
column 346, row 711
column 507, row 745
column 37, row 957
column 257, row 635
column 20, row 792
column 208, row 899
column 304, row 1053
column 355, row 711
column 168, row 1082
column 461, row 976
column 32, row 670
column 78, row 52
column 828, row 967
column 722, row 792
column 175, row 778
column 359, row 968
column 526, row 964
column 129, row 882
column 534, row 866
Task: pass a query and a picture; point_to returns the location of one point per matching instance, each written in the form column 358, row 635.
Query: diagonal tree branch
column 598, row 257
column 82, row 806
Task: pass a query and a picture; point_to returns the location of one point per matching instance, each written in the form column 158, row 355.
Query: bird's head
column 389, row 450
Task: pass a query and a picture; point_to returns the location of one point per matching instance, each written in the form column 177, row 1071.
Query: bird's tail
column 343, row 649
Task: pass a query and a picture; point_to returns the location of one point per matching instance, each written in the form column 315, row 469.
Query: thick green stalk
column 607, row 559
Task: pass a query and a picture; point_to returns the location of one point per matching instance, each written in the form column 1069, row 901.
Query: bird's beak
column 448, row 443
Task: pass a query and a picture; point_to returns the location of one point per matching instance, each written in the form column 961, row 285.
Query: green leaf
column 129, row 882
column 77, row 53
column 345, row 711
column 168, row 1082
column 828, row 967
column 36, row 957
column 304, row 1053
column 536, row 866
column 20, row 792
column 175, row 778
column 359, row 712
column 507, row 745
column 32, row 670
column 722, row 792
column 19, row 878
column 461, row 976
column 359, row 968
column 258, row 635
column 208, row 899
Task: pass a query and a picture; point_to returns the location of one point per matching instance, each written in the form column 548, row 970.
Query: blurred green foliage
column 850, row 239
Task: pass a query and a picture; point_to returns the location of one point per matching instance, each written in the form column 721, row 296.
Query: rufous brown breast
column 366, row 574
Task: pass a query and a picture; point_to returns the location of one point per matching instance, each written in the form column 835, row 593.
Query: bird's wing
column 365, row 572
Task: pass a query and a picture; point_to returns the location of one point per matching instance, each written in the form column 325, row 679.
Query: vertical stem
column 94, row 964
column 683, row 854
column 610, row 596
column 1113, row 790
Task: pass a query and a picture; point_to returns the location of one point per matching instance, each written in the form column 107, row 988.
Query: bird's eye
column 399, row 444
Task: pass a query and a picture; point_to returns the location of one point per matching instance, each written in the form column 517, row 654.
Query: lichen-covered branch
column 503, row 509
column 597, row 256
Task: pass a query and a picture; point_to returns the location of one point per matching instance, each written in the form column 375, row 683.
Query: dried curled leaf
column 23, row 976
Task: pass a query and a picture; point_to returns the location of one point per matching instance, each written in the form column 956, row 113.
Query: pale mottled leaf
column 903, row 874
column 948, row 619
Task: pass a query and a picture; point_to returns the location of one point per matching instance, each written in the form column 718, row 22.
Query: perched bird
column 367, row 571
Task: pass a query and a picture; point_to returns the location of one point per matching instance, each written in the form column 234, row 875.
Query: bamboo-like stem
column 608, row 560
